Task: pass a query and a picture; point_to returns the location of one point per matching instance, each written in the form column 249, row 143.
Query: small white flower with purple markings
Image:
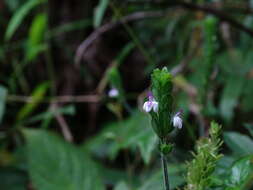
column 151, row 104
column 113, row 93
column 177, row 120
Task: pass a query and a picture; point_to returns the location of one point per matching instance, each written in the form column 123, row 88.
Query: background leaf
column 121, row 186
column 240, row 172
column 238, row 143
column 36, row 36
column 18, row 17
column 131, row 133
column 99, row 12
column 37, row 96
column 55, row 164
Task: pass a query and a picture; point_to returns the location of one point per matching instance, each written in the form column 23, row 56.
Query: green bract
column 162, row 92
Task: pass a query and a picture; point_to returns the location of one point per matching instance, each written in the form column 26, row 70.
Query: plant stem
column 165, row 172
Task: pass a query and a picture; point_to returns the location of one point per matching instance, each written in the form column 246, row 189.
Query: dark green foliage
column 127, row 134
column 207, row 50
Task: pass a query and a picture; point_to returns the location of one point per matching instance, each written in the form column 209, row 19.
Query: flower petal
column 177, row 122
column 147, row 106
column 113, row 93
column 155, row 106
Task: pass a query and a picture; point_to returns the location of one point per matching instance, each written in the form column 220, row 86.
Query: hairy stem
column 165, row 172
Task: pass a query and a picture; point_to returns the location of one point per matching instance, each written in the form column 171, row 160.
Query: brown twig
column 63, row 124
column 57, row 99
column 109, row 26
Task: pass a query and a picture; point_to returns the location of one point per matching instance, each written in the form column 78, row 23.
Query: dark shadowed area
column 94, row 92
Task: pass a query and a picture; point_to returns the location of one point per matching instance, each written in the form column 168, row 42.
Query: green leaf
column 240, row 172
column 19, row 15
column 238, row 143
column 99, row 12
column 37, row 29
column 121, row 186
column 147, row 143
column 37, row 97
column 3, row 94
column 36, row 36
column 131, row 133
column 57, row 165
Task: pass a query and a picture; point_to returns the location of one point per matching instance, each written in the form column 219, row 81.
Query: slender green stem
column 165, row 172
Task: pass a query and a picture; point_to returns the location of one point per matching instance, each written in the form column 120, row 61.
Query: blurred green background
column 59, row 59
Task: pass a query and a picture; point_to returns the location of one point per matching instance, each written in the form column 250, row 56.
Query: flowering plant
column 160, row 106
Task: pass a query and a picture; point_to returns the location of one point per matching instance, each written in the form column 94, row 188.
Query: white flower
column 150, row 104
column 113, row 93
column 177, row 120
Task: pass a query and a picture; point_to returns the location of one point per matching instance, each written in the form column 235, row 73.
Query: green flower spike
column 162, row 93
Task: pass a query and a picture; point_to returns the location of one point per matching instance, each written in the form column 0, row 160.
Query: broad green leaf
column 99, row 12
column 121, row 186
column 57, row 165
column 37, row 97
column 238, row 143
column 147, row 143
column 19, row 15
column 240, row 172
column 3, row 94
column 129, row 134
column 36, row 36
